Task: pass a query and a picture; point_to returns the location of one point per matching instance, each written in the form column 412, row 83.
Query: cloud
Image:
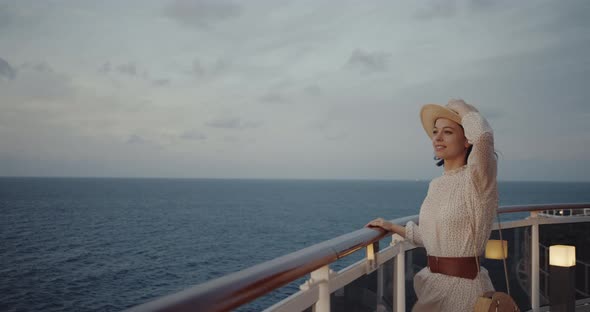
column 161, row 82
column 41, row 67
column 483, row 4
column 6, row 17
column 368, row 61
column 232, row 123
column 450, row 8
column 129, row 69
column 550, row 79
column 22, row 14
column 207, row 71
column 6, row 70
column 521, row 67
column 493, row 113
column 437, row 9
column 335, row 137
column 273, row 98
column 201, row 13
column 193, row 135
column 136, row 139
column 314, row 90
column 36, row 81
column 105, row 68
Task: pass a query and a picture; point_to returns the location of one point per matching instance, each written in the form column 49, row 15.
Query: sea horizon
column 270, row 179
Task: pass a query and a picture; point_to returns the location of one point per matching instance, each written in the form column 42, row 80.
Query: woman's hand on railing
column 388, row 226
column 381, row 223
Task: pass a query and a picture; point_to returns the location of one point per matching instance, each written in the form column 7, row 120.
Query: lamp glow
column 494, row 249
column 370, row 252
column 562, row 255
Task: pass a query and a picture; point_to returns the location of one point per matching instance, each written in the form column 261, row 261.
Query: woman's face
column 448, row 140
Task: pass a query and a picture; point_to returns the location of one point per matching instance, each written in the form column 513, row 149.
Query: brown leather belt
column 465, row 267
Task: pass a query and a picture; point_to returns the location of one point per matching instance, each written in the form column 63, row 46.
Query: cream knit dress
column 456, row 202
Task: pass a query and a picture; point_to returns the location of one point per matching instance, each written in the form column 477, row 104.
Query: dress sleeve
column 413, row 234
column 482, row 160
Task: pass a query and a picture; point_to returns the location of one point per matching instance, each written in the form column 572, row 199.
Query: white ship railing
column 236, row 289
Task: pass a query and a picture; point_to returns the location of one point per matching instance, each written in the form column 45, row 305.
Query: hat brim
column 431, row 112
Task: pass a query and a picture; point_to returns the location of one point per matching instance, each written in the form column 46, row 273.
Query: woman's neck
column 452, row 164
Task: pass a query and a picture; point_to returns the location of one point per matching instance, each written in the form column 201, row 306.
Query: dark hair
column 440, row 161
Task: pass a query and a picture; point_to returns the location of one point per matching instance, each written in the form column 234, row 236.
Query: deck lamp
column 496, row 249
column 562, row 277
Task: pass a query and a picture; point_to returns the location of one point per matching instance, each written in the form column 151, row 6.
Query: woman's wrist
column 391, row 227
column 398, row 229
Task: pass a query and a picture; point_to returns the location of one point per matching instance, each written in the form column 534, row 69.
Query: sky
column 310, row 89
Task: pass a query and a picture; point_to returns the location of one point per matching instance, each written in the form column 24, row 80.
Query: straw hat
column 431, row 112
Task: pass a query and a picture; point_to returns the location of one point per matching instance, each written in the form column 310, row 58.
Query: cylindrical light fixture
column 562, row 255
column 496, row 249
column 562, row 277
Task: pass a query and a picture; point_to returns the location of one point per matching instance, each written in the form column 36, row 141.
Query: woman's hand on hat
column 381, row 223
column 460, row 107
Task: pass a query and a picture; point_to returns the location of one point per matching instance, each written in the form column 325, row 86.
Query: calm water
column 71, row 244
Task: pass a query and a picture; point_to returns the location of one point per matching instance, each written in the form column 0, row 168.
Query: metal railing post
column 535, row 302
column 400, row 282
column 399, row 277
column 379, row 284
column 372, row 265
column 322, row 277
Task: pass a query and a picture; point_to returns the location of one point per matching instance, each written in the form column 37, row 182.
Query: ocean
column 106, row 244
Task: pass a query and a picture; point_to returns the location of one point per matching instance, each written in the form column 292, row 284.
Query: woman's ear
column 467, row 145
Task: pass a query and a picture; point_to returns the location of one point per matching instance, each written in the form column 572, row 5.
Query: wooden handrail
column 235, row 289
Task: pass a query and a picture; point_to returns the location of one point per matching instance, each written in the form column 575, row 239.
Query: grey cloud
column 273, row 98
column 193, row 135
column 6, row 18
column 198, row 68
column 201, row 13
column 544, row 79
column 201, row 70
column 232, row 123
column 483, row 4
column 6, row 70
column 136, row 139
column 38, row 82
column 320, row 124
column 493, row 113
column 336, row 137
column 451, row 8
column 436, row 8
column 314, row 90
column 161, row 82
column 562, row 18
column 231, row 139
column 105, row 68
column 41, row 67
column 368, row 61
column 129, row 68
column 22, row 14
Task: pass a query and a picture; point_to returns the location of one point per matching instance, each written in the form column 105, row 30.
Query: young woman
column 457, row 214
